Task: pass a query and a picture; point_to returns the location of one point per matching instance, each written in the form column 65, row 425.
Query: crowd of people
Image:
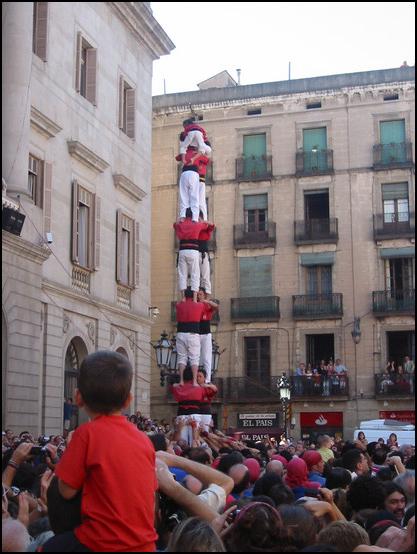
column 398, row 378
column 131, row 484
column 323, row 379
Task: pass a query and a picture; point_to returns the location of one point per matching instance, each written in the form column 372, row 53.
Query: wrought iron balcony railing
column 244, row 237
column 392, row 226
column 264, row 308
column 394, row 155
column 254, row 168
column 318, row 306
column 393, row 384
column 313, row 162
column 319, row 386
column 385, row 302
column 315, row 231
column 214, row 321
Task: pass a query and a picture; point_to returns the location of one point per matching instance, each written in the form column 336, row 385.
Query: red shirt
column 195, row 127
column 205, row 234
column 189, row 230
column 189, row 311
column 114, row 463
column 208, row 312
column 188, row 392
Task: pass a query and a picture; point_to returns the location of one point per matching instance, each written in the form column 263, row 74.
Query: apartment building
column 312, row 193
column 77, row 168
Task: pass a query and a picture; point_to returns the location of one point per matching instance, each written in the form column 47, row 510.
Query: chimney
column 238, row 75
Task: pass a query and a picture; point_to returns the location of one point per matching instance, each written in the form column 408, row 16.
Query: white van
column 382, row 428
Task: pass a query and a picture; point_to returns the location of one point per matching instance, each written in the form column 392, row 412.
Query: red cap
column 281, row 459
column 254, row 469
column 311, row 458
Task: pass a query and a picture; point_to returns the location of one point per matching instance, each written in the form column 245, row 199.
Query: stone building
column 312, row 193
column 77, row 129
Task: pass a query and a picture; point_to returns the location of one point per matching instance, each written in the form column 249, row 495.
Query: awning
column 406, row 252
column 318, row 258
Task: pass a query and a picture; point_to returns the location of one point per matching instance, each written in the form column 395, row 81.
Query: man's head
column 104, row 382
column 406, row 359
column 366, row 493
column 14, row 536
column 395, row 500
column 188, row 293
column 407, row 481
column 201, row 376
column 188, row 121
column 240, row 475
column 201, row 294
column 324, row 441
column 314, row 461
column 354, row 460
column 276, row 467
column 188, row 375
column 302, row 365
column 291, row 449
column 407, row 450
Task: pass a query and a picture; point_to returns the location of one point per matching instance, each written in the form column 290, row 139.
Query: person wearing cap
column 315, row 465
column 189, row 255
column 206, row 350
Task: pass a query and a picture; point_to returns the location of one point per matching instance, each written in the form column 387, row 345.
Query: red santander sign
column 319, row 420
column 408, row 416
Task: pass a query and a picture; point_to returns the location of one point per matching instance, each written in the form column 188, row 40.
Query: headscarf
column 311, row 458
column 254, row 469
column 281, row 459
column 297, row 475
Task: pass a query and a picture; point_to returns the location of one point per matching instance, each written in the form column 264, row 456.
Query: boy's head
column 188, row 374
column 105, row 381
column 188, row 121
column 188, row 293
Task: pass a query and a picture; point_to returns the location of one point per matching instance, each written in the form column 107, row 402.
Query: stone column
column 17, row 25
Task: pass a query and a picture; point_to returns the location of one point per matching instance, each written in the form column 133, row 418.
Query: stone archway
column 74, row 355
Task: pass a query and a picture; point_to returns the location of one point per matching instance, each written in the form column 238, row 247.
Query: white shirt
column 214, row 496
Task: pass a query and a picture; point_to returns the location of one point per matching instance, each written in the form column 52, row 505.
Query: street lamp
column 285, row 395
column 163, row 350
column 356, row 332
column 215, row 357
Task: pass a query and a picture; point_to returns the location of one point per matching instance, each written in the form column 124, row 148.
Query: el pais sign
column 256, row 421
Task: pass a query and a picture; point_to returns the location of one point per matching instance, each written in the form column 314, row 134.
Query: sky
column 261, row 38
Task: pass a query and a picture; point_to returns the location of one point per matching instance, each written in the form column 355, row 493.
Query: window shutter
column 136, row 254
column 74, row 227
column 46, row 202
column 130, row 112
column 118, row 245
column 41, row 26
column 395, row 191
column 121, row 101
column 97, row 209
column 255, row 276
column 78, row 63
column 91, row 75
column 315, row 139
column 392, row 132
column 255, row 202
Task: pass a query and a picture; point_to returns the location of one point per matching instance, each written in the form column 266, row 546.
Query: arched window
column 74, row 356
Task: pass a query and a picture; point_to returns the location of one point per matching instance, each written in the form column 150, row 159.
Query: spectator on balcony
column 309, row 379
column 323, row 370
column 299, row 378
column 390, row 367
column 409, row 372
column 402, row 384
column 316, row 381
column 334, row 379
column 386, row 382
column 342, row 373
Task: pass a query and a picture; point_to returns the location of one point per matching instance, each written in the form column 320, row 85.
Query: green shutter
column 405, row 252
column 392, row 132
column 395, row 191
column 255, row 202
column 254, row 155
column 320, row 258
column 255, row 276
column 315, row 139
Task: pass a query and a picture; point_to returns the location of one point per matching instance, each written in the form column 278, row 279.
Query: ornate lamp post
column 285, row 395
column 163, row 351
column 215, row 357
column 356, row 333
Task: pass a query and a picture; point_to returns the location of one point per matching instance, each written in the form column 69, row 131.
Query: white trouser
column 189, row 264
column 205, row 354
column 206, row 421
column 205, row 280
column 190, row 193
column 195, row 139
column 188, row 348
column 202, row 201
column 186, row 433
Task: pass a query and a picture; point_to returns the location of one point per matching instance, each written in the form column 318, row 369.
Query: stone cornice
column 43, row 124
column 86, row 156
column 126, row 185
column 138, row 18
column 25, row 249
column 96, row 303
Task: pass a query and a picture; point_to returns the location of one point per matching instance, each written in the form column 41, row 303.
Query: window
column 319, row 279
column 313, row 105
column 255, row 276
column 388, row 97
column 395, row 202
column 257, row 111
column 86, row 69
column 35, row 180
column 85, row 249
column 254, row 155
column 256, row 213
column 314, row 148
column 399, row 275
column 127, row 250
column 40, row 28
column 126, row 108
column 258, row 358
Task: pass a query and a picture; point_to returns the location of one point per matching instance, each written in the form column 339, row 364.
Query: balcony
column 258, row 308
column 214, row 321
column 81, row 279
column 313, row 162
column 395, row 228
column 254, row 168
column 212, row 243
column 393, row 156
column 320, row 386
column 242, row 238
column 315, row 231
column 393, row 302
column 317, row 306
column 390, row 385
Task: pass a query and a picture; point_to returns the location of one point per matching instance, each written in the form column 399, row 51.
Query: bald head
column 238, row 472
column 276, row 467
column 15, row 537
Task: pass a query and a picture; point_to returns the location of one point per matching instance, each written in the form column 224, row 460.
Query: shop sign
column 253, row 421
column 318, row 420
column 399, row 415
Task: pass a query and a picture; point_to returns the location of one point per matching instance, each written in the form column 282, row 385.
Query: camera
column 39, row 451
